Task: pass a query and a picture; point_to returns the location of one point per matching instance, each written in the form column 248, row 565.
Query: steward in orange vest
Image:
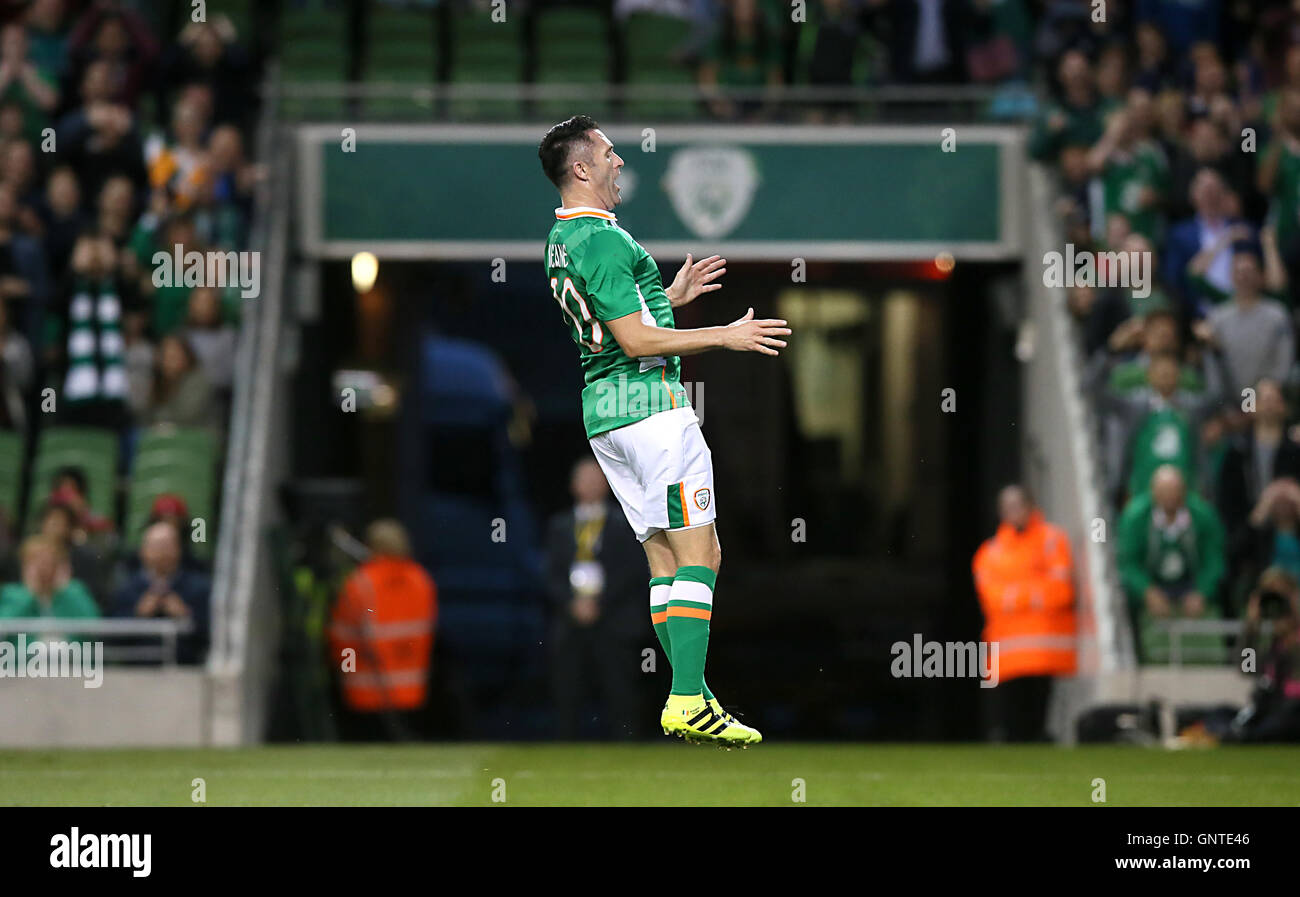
column 1024, row 579
column 381, row 628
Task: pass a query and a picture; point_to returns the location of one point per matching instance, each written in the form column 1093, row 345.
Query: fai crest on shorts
column 702, row 498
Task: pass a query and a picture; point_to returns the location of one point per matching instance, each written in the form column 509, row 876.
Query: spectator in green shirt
column 1133, row 169
column 1171, row 559
column 743, row 54
column 47, row 588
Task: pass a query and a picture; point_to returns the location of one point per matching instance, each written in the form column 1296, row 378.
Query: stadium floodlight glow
column 365, row 270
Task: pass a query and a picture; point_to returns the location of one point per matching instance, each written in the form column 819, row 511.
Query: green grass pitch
column 647, row 774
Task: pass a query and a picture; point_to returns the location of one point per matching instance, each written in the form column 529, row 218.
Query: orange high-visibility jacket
column 1025, row 586
column 385, row 613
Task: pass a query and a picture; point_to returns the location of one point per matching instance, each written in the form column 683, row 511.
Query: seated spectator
column 1171, row 558
column 1256, row 455
column 58, row 523
column 68, row 486
column 163, row 588
column 1252, row 336
column 381, row 636
column 213, row 340
column 47, row 588
column 1024, row 577
column 182, row 394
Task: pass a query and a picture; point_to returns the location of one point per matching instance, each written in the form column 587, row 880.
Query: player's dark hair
column 557, row 146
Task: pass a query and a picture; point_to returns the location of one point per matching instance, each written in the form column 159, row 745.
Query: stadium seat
column 572, row 48
column 177, row 461
column 401, row 47
column 11, row 474
column 95, row 451
column 314, row 48
column 485, row 52
column 652, row 41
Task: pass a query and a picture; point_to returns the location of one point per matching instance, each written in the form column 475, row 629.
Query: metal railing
column 1179, row 628
column 169, row 632
column 456, row 101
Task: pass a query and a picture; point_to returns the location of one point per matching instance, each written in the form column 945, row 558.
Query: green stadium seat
column 178, row 461
column 401, row 48
column 652, row 40
column 572, row 48
column 486, row 52
column 11, row 474
column 313, row 47
column 94, row 450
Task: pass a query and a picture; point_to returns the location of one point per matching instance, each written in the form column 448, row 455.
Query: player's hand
column 695, row 278
column 748, row 335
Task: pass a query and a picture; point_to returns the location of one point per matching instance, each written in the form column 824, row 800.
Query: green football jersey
column 597, row 273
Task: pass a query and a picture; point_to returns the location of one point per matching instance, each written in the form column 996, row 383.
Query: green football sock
column 660, row 587
column 690, row 606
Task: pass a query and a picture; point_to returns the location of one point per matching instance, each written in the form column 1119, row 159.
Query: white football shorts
column 660, row 470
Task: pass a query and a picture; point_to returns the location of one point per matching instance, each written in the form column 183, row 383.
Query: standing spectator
column 1260, row 453
column 165, row 588
column 207, row 53
column 47, row 588
column 595, row 575
column 928, row 40
column 1024, row 577
column 744, row 54
column 213, row 340
column 1133, row 169
column 1215, row 225
column 1075, row 119
column 20, row 80
column 99, row 138
column 1160, row 422
column 381, row 637
column 1278, row 178
column 1171, row 557
column 17, row 374
column 182, row 394
column 118, row 39
column 1252, row 336
column 62, row 218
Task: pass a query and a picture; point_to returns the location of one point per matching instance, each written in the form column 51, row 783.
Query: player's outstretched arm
column 640, row 340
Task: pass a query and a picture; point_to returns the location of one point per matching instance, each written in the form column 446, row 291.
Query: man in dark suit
column 595, row 580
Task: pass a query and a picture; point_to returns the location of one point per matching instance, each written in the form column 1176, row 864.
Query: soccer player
column 642, row 429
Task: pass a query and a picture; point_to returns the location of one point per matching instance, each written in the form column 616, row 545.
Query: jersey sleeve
column 607, row 270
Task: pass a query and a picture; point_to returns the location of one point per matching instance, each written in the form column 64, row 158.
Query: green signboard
column 748, row 192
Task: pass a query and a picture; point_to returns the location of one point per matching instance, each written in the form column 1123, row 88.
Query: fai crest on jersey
column 702, row 499
column 711, row 188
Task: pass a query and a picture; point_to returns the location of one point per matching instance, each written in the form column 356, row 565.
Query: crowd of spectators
column 1174, row 132
column 115, row 144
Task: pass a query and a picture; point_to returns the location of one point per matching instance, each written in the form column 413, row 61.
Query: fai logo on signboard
column 711, row 188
